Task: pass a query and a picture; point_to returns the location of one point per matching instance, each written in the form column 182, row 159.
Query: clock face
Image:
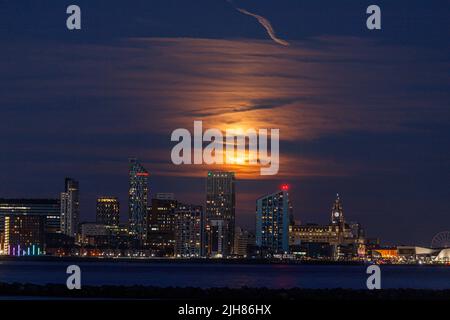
column 336, row 214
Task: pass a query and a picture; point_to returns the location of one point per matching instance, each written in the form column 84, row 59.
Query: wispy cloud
column 264, row 22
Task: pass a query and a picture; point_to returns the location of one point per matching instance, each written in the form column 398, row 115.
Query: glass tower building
column 70, row 208
column 138, row 199
column 273, row 214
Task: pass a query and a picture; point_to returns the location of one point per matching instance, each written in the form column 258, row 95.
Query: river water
column 207, row 275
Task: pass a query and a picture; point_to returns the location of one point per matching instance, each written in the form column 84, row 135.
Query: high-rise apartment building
column 70, row 208
column 189, row 230
column 273, row 215
column 138, row 199
column 220, row 213
column 161, row 224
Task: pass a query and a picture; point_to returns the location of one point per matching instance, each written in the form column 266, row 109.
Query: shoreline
column 208, row 261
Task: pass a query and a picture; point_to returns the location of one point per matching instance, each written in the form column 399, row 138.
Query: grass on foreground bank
column 217, row 294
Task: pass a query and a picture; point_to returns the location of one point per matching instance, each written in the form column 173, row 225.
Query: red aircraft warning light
column 142, row 174
column 285, row 187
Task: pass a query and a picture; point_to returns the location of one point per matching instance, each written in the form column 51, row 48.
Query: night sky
column 365, row 114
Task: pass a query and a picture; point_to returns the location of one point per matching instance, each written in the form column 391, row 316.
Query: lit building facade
column 138, row 199
column 70, row 208
column 188, row 230
column 386, row 253
column 273, row 214
column 48, row 208
column 161, row 226
column 24, row 235
column 220, row 213
column 314, row 233
column 108, row 211
column 345, row 239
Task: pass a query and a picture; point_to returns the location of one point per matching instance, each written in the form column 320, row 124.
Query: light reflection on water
column 224, row 275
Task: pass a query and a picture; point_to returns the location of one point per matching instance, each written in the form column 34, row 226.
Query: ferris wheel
column 441, row 240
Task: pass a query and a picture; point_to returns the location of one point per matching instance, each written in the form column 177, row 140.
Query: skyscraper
column 138, row 199
column 108, row 211
column 273, row 214
column 220, row 213
column 70, row 208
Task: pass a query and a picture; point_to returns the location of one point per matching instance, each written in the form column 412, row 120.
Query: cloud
column 129, row 102
column 264, row 22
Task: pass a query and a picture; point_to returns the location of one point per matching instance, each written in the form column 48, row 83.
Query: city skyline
column 361, row 113
column 170, row 228
column 111, row 212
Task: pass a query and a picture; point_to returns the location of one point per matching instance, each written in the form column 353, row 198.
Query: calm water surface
column 206, row 275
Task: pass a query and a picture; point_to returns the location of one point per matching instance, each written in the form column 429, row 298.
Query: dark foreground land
column 31, row 291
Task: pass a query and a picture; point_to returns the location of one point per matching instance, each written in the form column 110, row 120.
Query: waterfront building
column 94, row 233
column 120, row 238
column 138, row 199
column 414, row 253
column 314, row 233
column 70, row 208
column 220, row 213
column 188, row 230
column 216, row 238
column 161, row 226
column 48, row 208
column 443, row 256
column 346, row 239
column 58, row 244
column 313, row 250
column 108, row 211
column 273, row 214
column 92, row 229
column 24, row 235
column 385, row 253
column 244, row 240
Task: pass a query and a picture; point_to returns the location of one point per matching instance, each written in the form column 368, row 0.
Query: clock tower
column 337, row 213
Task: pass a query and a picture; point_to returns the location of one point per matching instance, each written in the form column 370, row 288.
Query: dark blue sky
column 363, row 113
